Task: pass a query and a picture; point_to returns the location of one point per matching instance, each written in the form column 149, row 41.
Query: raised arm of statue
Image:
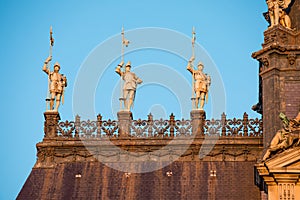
column 118, row 69
column 189, row 68
column 190, row 65
column 45, row 69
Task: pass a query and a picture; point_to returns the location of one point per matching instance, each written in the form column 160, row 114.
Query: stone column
column 280, row 77
column 124, row 122
column 50, row 124
column 198, row 118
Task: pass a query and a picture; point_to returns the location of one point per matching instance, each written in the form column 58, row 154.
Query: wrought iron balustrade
column 160, row 128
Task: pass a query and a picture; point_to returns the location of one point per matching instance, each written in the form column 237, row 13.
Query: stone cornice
column 277, row 48
column 52, row 152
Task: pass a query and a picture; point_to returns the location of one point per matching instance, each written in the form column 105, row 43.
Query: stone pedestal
column 124, row 122
column 198, row 117
column 50, row 124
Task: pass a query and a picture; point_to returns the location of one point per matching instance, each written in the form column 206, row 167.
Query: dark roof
column 189, row 180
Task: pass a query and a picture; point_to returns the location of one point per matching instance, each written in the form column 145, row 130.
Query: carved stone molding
column 51, row 153
column 265, row 62
column 286, row 191
column 292, row 58
column 280, row 35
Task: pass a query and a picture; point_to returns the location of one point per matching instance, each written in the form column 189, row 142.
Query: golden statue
column 281, row 140
column 284, row 138
column 277, row 13
column 130, row 83
column 201, row 83
column 57, row 83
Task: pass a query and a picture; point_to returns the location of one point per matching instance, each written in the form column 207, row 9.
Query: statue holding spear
column 200, row 80
column 130, row 79
column 56, row 81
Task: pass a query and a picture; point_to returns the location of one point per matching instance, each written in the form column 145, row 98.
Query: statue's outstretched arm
column 190, row 68
column 45, row 69
column 118, row 69
column 190, row 65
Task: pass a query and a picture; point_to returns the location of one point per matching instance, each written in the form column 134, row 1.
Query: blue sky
column 228, row 31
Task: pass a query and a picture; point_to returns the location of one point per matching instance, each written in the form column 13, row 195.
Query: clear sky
column 227, row 33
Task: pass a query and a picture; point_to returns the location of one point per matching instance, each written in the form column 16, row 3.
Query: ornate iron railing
column 234, row 127
column 151, row 128
column 88, row 129
column 160, row 128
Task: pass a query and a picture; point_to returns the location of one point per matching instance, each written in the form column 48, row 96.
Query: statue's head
column 128, row 66
column 200, row 66
column 56, row 67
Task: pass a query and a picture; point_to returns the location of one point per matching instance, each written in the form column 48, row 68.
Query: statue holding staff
column 130, row 83
column 57, row 83
column 130, row 80
column 201, row 83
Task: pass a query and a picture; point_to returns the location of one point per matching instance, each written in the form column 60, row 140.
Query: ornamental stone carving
column 292, row 58
column 286, row 137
